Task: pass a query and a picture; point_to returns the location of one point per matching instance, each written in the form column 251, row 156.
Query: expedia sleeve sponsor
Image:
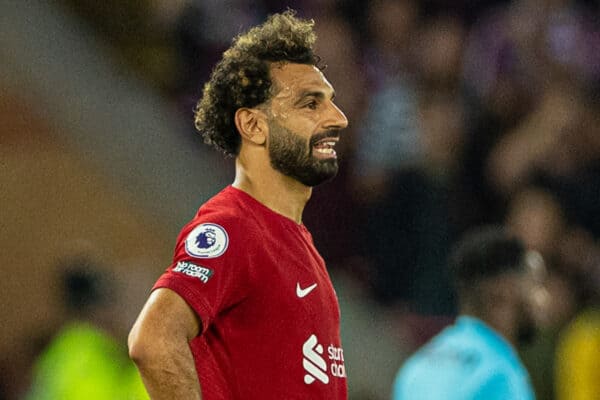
column 193, row 270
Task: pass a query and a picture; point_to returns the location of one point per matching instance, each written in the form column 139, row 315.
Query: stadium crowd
column 461, row 113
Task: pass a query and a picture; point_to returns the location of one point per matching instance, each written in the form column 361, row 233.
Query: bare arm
column 159, row 345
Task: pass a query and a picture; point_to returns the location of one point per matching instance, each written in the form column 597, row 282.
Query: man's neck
column 280, row 193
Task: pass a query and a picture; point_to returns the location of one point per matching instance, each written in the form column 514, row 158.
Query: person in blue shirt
column 500, row 291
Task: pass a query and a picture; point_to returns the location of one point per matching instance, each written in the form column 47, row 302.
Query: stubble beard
column 526, row 329
column 291, row 155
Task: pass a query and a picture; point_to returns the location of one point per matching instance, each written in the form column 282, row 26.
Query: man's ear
column 252, row 125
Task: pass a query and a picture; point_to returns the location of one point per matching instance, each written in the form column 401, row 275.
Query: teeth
column 329, row 144
column 325, row 151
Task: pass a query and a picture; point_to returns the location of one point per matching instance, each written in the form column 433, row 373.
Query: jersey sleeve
column 497, row 386
column 210, row 268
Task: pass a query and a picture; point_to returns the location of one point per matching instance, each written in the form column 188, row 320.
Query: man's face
column 304, row 124
column 534, row 297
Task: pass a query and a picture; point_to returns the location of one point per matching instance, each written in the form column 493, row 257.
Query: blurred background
column 461, row 113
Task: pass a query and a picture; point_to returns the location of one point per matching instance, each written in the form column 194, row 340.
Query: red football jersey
column 270, row 316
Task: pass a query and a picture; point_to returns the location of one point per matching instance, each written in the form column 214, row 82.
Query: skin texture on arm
column 159, row 346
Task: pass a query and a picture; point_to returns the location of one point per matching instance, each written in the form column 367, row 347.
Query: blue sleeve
column 497, row 387
column 397, row 388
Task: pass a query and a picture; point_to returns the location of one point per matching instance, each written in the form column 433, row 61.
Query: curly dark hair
column 242, row 78
column 485, row 252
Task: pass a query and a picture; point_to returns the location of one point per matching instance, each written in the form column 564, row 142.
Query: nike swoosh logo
column 303, row 292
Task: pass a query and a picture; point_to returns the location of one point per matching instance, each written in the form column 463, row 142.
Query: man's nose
column 336, row 118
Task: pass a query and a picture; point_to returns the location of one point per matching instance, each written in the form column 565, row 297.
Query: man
column 577, row 354
column 499, row 289
column 85, row 358
column 247, row 310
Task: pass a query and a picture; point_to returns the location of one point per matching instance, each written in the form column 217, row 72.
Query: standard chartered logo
column 315, row 365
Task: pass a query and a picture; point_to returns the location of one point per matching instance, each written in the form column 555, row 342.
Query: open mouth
column 324, row 148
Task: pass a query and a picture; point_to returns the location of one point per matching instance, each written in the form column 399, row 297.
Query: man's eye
column 312, row 105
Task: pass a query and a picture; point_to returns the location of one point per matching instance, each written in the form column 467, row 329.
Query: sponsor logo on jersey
column 207, row 241
column 193, row 270
column 315, row 363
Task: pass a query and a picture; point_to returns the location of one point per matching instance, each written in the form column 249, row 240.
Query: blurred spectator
column 501, row 76
column 578, row 350
column 201, row 31
column 441, row 44
column 571, row 40
column 550, row 129
column 408, row 233
column 461, row 113
column 517, row 82
column 497, row 281
column 535, row 216
column 86, row 359
column 388, row 137
column 327, row 214
column 557, row 148
column 498, row 67
column 571, row 169
column 577, row 374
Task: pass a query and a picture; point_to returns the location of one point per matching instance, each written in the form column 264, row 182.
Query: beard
column 526, row 330
column 291, row 155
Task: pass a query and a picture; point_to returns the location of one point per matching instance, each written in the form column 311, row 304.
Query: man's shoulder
column 454, row 351
column 224, row 215
column 226, row 199
column 454, row 356
column 223, row 208
column 501, row 382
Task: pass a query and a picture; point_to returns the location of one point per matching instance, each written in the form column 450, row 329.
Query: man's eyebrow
column 313, row 93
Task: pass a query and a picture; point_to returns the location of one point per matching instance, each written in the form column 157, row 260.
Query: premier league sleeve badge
column 207, row 240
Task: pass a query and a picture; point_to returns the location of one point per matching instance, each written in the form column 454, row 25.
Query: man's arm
column 159, row 346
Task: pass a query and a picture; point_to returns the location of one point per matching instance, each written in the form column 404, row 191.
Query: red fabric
column 255, row 325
